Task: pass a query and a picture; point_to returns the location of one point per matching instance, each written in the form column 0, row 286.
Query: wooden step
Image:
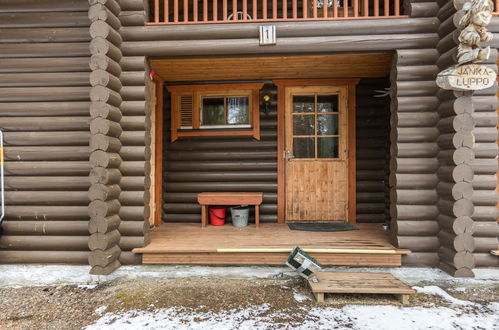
column 373, row 283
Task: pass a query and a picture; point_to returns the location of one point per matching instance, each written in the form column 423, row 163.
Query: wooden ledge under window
column 187, row 110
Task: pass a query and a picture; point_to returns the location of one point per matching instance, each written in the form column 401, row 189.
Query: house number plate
column 267, row 35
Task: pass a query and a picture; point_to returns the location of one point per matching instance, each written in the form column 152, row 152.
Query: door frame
column 281, row 140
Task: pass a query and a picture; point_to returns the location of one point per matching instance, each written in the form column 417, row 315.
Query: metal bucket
column 240, row 215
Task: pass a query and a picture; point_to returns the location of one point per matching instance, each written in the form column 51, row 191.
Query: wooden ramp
column 373, row 283
column 189, row 243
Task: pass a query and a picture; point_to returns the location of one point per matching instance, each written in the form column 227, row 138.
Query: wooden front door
column 316, row 157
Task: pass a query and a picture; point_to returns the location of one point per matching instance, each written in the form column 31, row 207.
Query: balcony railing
column 245, row 11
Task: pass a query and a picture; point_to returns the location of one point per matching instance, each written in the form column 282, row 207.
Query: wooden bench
column 380, row 283
column 229, row 198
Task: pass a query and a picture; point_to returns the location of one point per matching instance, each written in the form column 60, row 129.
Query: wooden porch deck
column 189, row 243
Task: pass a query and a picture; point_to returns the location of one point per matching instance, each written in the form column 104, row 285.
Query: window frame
column 252, row 90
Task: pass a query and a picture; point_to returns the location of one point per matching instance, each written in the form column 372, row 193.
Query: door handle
column 288, row 155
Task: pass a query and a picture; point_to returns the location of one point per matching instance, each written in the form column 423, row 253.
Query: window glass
column 327, row 147
column 303, row 124
column 213, row 112
column 327, row 124
column 327, row 103
column 237, row 110
column 303, row 103
column 304, row 147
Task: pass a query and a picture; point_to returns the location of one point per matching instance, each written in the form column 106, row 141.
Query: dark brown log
column 104, row 192
column 133, row 63
column 417, row 228
column 104, row 78
column 484, row 166
column 135, row 153
column 112, row 5
column 106, row 95
column 130, row 258
column 485, row 213
column 47, row 168
column 45, row 123
column 485, row 244
column 457, row 156
column 46, row 183
column 411, row 165
column 46, row 138
column 34, row 50
column 485, row 150
column 456, row 106
column 456, row 272
column 44, row 94
column 128, row 243
column 134, row 123
column 134, row 108
column 405, row 57
column 134, row 93
column 98, row 270
column 105, row 127
column 286, row 29
column 105, row 241
column 416, row 88
column 484, row 260
column 44, row 243
column 51, row 228
column 103, row 258
column 219, row 176
column 104, row 225
column 418, row 243
column 417, row 104
column 484, row 182
column 46, row 153
column 421, row 9
column 133, row 78
column 461, row 259
column 414, row 212
column 66, row 64
column 101, row 209
column 133, row 228
column 456, row 226
column 44, row 79
column 135, row 168
column 104, row 143
column 463, row 242
column 135, row 183
column 413, row 181
column 104, row 175
column 132, row 198
column 99, row 12
column 135, row 138
column 100, row 29
column 456, row 140
column 294, row 45
column 455, row 190
column 105, row 111
column 68, row 109
column 25, row 20
column 44, row 257
column 486, row 229
column 36, row 212
column 133, row 213
column 461, row 172
column 104, row 159
column 461, row 207
column 485, row 197
column 105, row 63
column 21, row 35
column 46, row 197
column 414, row 197
column 416, row 134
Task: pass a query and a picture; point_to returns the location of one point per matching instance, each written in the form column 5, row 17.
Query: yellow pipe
column 287, row 250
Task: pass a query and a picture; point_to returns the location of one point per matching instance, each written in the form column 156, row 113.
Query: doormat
column 321, row 226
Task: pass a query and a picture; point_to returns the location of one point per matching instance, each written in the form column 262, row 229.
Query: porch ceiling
column 276, row 67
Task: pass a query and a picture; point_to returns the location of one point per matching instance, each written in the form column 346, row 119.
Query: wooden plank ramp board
column 369, row 283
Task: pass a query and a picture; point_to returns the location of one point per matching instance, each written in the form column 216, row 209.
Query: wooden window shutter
column 186, row 106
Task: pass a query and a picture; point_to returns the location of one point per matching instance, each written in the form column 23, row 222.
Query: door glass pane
column 327, row 125
column 327, row 147
column 304, row 147
column 237, row 110
column 303, row 124
column 327, row 103
column 303, row 103
column 213, row 112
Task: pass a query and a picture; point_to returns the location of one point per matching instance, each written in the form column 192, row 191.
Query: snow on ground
column 348, row 317
column 460, row 314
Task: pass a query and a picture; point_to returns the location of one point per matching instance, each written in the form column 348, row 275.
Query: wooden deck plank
column 190, row 237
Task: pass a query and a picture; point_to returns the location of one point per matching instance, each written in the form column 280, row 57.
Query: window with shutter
column 215, row 109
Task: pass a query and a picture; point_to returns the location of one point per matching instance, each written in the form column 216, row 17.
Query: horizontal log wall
column 413, row 152
column 373, row 135
column 44, row 113
column 194, row 165
column 135, row 140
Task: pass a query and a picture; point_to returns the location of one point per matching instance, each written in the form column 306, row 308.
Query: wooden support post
column 319, row 297
column 203, row 215
column 404, row 299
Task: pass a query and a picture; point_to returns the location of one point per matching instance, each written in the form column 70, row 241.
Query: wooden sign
column 469, row 77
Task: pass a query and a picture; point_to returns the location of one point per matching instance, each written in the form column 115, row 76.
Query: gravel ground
column 73, row 307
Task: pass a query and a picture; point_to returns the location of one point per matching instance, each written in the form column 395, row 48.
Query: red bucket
column 217, row 215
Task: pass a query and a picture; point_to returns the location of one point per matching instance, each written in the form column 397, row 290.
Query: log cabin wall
column 135, row 152
column 231, row 163
column 105, row 144
column 373, row 139
column 44, row 113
